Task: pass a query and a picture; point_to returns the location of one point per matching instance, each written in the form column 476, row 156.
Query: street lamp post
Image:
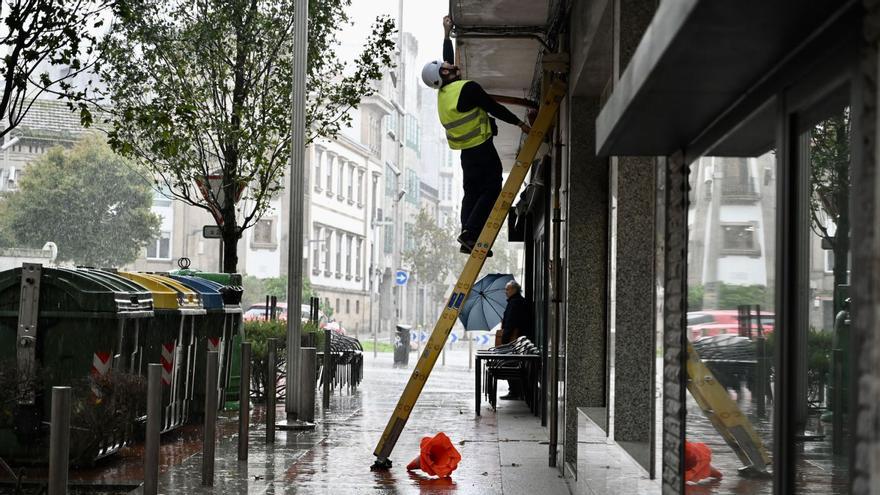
column 295, row 232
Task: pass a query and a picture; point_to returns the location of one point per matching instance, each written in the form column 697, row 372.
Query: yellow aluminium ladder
column 726, row 416
column 553, row 91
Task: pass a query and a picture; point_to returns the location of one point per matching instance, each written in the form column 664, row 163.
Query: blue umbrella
column 484, row 306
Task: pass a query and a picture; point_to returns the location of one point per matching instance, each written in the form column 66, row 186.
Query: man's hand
column 525, row 127
column 447, row 25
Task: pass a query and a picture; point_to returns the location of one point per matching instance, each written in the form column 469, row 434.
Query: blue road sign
column 453, row 337
column 483, row 339
column 400, row 277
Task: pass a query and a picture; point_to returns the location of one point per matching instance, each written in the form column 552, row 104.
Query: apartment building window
column 339, row 247
column 264, row 233
column 375, row 138
column 351, row 182
column 357, row 260
column 331, row 162
column 348, row 306
column 348, row 255
column 357, row 307
column 328, row 248
column 317, row 235
column 412, row 187
column 739, row 239
column 340, row 185
column 338, row 306
column 160, row 248
column 360, row 193
column 737, row 181
column 319, row 155
column 390, row 182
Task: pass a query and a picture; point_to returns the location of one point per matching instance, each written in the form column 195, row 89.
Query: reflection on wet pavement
column 336, row 456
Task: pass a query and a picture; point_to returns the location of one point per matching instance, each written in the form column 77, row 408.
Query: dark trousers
column 481, row 169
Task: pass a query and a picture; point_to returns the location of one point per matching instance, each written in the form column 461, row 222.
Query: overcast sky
column 423, row 18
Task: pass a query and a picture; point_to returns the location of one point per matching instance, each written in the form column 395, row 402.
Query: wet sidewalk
column 502, row 453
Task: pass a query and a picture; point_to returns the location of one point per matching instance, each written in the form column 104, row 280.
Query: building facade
column 700, row 159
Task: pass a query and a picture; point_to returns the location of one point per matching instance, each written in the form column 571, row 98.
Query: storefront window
column 821, row 356
column 731, row 292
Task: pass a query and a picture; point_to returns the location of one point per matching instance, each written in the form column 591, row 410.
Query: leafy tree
column 39, row 36
column 203, row 89
column 434, row 251
column 89, row 201
column 829, row 183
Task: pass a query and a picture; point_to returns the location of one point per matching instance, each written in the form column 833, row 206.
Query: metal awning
column 498, row 44
column 696, row 60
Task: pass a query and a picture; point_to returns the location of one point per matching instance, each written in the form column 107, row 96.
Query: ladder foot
column 381, row 465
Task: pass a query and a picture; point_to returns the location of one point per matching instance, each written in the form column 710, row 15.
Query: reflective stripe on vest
column 463, row 129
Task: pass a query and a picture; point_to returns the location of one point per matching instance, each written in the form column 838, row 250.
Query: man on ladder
column 464, row 109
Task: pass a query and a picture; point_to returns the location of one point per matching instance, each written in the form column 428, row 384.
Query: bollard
column 326, row 372
column 375, row 343
column 244, row 409
column 308, row 372
column 151, row 439
column 210, row 438
column 271, row 389
column 761, row 376
column 837, row 402
column 59, row 441
column 470, row 352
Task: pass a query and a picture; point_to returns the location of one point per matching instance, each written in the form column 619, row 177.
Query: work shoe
column 465, row 249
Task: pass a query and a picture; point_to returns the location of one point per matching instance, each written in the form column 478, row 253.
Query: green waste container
column 170, row 341
column 223, row 304
column 232, row 280
column 83, row 327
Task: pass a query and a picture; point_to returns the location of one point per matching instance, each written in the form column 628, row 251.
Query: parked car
column 711, row 323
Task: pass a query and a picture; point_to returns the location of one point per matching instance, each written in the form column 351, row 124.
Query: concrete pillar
column 634, row 343
column 587, row 281
column 672, row 268
column 634, row 320
column 865, row 206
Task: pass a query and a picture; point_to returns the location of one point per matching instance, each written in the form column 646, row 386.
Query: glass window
column 730, row 272
column 331, row 162
column 358, row 252
column 264, row 232
column 339, row 246
column 390, row 182
column 348, row 254
column 351, row 181
column 328, row 247
column 340, row 185
column 821, row 350
column 319, row 155
column 160, row 248
column 316, row 247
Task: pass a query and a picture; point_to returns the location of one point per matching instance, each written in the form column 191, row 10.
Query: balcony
column 739, row 191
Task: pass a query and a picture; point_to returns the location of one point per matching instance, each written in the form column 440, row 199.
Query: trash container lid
column 168, row 294
column 78, row 293
column 211, row 292
column 220, row 278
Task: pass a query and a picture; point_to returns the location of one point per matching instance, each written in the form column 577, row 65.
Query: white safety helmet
column 431, row 74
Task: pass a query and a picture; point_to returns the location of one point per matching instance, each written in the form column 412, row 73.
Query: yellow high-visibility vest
column 463, row 129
